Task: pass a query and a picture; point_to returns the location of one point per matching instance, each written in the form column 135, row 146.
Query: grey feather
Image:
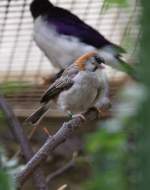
column 56, row 88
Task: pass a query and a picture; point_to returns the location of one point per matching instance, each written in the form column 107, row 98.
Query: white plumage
column 61, row 50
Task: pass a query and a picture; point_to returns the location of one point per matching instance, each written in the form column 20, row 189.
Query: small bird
column 77, row 89
column 63, row 37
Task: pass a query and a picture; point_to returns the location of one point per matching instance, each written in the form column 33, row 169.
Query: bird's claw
column 71, row 115
column 79, row 115
column 102, row 112
column 99, row 112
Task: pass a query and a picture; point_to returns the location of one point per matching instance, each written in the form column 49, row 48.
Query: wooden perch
column 52, row 142
column 17, row 130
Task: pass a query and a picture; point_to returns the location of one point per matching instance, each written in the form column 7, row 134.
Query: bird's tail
column 114, row 49
column 112, row 56
column 127, row 68
column 37, row 115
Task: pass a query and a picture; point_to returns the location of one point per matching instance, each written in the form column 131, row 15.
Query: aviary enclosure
column 99, row 155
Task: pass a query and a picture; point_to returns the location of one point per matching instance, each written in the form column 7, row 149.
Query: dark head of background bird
column 89, row 61
column 39, row 7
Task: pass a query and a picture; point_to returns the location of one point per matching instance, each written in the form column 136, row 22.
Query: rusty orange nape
column 80, row 62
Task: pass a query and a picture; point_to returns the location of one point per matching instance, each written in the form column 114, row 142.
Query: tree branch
column 17, row 130
column 52, row 142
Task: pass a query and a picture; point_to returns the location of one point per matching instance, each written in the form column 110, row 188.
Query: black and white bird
column 63, row 37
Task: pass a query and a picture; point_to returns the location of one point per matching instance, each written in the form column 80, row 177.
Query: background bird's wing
column 57, row 87
column 69, row 24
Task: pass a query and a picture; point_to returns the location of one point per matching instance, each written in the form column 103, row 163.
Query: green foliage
column 108, row 153
column 2, row 116
column 113, row 3
column 128, row 43
column 121, row 160
column 8, row 169
column 112, row 146
column 14, row 87
column 105, row 141
column 117, row 2
column 6, row 182
column 143, row 118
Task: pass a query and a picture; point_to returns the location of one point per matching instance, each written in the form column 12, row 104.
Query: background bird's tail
column 112, row 56
column 127, row 68
column 37, row 115
column 114, row 49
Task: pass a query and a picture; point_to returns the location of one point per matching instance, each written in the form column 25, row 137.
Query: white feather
column 109, row 59
column 60, row 49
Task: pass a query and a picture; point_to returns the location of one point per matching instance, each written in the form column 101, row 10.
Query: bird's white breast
column 61, row 50
column 81, row 95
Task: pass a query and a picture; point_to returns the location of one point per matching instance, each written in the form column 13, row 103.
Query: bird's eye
column 99, row 60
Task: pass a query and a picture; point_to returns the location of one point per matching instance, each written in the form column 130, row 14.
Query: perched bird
column 77, row 89
column 63, row 37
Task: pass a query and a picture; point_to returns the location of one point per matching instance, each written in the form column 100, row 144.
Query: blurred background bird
column 63, row 37
column 75, row 91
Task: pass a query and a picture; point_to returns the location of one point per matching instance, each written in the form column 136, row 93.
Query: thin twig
column 61, row 170
column 63, row 187
column 20, row 136
column 52, row 142
column 18, row 152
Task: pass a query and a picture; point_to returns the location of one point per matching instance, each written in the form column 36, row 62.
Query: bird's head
column 40, row 7
column 90, row 61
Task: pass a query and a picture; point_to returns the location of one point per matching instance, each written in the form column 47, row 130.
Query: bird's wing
column 58, row 75
column 58, row 86
column 69, row 24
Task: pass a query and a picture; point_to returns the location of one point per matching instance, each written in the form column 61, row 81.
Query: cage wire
column 20, row 58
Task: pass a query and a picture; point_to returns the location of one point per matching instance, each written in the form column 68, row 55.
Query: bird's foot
column 100, row 112
column 79, row 115
column 103, row 106
column 71, row 115
column 104, row 103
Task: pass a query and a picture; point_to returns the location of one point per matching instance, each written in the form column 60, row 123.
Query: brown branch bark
column 61, row 135
column 17, row 130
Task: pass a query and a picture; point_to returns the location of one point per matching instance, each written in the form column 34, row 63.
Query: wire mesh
column 22, row 60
